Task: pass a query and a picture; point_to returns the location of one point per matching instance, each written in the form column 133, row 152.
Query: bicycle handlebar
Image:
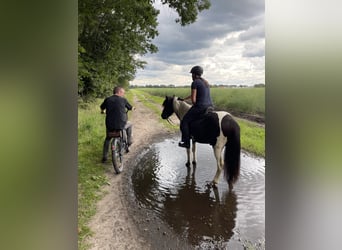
column 133, row 108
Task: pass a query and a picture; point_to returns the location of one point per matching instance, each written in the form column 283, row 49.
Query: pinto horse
column 217, row 128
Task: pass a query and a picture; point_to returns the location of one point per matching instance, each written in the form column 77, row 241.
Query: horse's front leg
column 187, row 164
column 194, row 161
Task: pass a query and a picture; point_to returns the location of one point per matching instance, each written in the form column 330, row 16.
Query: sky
column 228, row 41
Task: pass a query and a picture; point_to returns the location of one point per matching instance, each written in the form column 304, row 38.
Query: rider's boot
column 184, row 144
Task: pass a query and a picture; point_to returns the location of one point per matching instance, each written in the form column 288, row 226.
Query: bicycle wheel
column 117, row 156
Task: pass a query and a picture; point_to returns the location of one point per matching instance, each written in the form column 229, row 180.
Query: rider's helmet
column 197, row 70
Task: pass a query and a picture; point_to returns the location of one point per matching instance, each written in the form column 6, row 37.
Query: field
column 237, row 101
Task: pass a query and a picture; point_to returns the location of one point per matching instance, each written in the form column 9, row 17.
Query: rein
column 171, row 122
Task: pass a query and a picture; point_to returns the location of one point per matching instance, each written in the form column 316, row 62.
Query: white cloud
column 253, row 32
column 254, row 49
column 227, row 41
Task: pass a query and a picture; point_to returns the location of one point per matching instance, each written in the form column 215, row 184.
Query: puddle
column 203, row 217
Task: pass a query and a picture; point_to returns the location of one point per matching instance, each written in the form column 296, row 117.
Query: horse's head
column 168, row 107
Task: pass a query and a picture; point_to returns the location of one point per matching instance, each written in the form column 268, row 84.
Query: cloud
column 255, row 49
column 224, row 40
column 254, row 32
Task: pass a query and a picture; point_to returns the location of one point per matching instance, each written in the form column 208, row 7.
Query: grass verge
column 252, row 137
column 91, row 175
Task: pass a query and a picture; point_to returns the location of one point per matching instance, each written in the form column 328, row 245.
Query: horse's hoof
column 194, row 163
column 211, row 185
column 187, row 164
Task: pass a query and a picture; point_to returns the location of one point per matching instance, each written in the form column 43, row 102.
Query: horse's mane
column 180, row 107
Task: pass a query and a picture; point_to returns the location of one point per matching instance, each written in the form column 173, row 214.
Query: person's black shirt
column 203, row 98
column 116, row 116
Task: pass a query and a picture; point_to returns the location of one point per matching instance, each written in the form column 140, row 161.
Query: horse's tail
column 231, row 130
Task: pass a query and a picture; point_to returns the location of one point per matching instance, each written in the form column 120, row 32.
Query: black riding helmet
column 197, row 70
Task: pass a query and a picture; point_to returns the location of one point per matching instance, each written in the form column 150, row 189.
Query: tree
column 111, row 35
column 187, row 9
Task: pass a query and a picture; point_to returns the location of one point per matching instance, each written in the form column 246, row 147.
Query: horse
column 217, row 128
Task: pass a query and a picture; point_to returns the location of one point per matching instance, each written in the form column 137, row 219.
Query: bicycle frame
column 118, row 145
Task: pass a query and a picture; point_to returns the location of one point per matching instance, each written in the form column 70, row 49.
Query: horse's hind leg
column 219, row 163
column 194, row 161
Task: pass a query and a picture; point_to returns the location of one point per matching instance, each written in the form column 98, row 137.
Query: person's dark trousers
column 105, row 148
column 128, row 129
column 128, row 135
column 194, row 113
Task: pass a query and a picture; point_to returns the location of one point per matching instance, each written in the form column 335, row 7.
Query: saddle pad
column 206, row 129
column 115, row 133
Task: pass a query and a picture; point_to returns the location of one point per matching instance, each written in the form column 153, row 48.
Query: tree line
column 112, row 34
column 258, row 85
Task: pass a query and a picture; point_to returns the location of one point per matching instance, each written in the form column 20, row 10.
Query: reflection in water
column 197, row 216
column 206, row 218
column 144, row 182
column 192, row 212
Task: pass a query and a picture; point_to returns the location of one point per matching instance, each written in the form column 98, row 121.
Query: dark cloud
column 233, row 15
column 222, row 18
column 229, row 26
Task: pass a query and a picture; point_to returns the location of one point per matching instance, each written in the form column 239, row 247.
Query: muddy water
column 203, row 217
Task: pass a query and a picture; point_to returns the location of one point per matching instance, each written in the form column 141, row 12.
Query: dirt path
column 113, row 225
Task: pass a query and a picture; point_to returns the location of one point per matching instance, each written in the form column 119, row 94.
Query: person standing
column 116, row 107
column 201, row 100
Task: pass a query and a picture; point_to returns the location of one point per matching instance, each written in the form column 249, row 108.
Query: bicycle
column 118, row 147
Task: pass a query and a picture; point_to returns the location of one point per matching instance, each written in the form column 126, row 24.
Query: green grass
column 252, row 137
column 91, row 174
column 240, row 100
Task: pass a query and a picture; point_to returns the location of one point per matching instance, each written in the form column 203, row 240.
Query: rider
column 116, row 117
column 201, row 100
